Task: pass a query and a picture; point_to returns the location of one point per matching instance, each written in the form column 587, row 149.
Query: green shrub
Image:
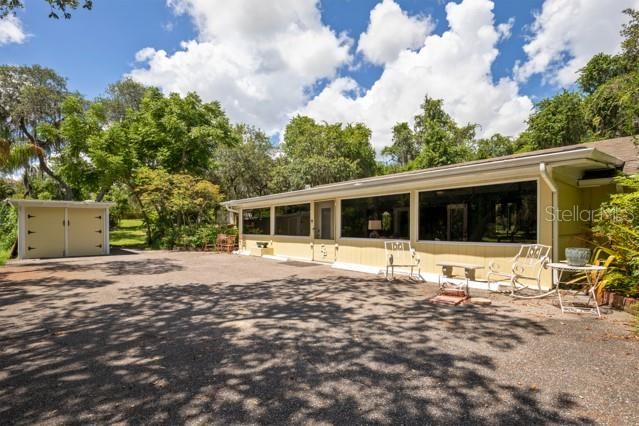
column 194, row 237
column 8, row 230
column 616, row 231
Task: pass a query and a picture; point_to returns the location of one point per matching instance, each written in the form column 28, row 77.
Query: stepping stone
column 453, row 292
column 443, row 299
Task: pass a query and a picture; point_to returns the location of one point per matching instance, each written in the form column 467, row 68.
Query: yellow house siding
column 370, row 252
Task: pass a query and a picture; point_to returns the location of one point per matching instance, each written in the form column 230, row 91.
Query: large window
column 256, row 221
column 377, row 217
column 293, row 220
column 504, row 213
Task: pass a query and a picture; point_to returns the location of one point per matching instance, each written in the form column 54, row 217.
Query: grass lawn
column 129, row 233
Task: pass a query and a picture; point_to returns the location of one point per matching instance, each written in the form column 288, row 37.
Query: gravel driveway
column 201, row 338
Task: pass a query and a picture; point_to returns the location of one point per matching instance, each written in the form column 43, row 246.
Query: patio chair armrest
column 416, row 258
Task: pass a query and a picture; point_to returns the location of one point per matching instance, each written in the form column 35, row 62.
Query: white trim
column 105, row 224
column 272, row 221
column 470, row 243
column 257, row 235
column 294, row 237
column 22, row 231
column 414, row 213
column 373, row 239
column 337, row 227
column 55, row 203
column 545, row 173
column 383, row 194
column 66, row 232
column 532, row 177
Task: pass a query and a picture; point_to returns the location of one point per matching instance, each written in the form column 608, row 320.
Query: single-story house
column 472, row 212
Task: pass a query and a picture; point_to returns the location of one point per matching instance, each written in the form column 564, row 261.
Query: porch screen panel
column 256, row 221
column 385, row 216
column 502, row 213
column 293, row 220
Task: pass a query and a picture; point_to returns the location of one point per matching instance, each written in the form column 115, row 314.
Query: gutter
column 545, row 175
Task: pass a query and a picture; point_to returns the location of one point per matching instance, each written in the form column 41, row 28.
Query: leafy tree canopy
column 495, row 146
column 404, row 148
column 58, row 7
column 321, row 153
column 600, row 69
column 243, row 170
column 612, row 84
column 174, row 200
column 31, row 112
column 435, row 140
column 557, row 121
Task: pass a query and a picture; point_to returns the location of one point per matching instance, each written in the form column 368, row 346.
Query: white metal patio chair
column 526, row 269
column 400, row 254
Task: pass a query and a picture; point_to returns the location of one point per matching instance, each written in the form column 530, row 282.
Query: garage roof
column 55, row 203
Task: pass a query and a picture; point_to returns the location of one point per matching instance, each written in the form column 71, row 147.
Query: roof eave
column 579, row 153
column 16, row 202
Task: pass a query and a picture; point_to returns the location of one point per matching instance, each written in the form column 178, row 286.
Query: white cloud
column 566, row 33
column 11, row 30
column 257, row 58
column 454, row 66
column 390, row 31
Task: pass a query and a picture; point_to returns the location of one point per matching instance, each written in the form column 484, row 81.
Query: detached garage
column 62, row 228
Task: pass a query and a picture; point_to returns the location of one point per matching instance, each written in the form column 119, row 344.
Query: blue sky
column 330, row 75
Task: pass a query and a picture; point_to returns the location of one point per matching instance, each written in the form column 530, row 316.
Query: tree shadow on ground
column 142, row 266
column 295, row 350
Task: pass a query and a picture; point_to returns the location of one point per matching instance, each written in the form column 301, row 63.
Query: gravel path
column 202, row 338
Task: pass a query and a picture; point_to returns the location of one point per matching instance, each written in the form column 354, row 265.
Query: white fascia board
column 64, row 204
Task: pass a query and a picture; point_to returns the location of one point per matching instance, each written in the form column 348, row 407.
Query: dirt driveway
column 204, row 338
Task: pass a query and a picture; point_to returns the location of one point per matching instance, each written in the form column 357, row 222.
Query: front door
column 324, row 232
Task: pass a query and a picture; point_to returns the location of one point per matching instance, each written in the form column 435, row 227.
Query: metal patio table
column 593, row 274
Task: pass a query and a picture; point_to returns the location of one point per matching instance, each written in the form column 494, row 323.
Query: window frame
column 276, row 206
column 270, row 220
column 537, row 181
column 410, row 216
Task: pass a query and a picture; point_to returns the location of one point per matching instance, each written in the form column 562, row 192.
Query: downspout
column 237, row 212
column 545, row 175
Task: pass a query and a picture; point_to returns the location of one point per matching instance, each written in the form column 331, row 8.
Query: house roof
column 17, row 202
column 619, row 152
column 625, row 149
